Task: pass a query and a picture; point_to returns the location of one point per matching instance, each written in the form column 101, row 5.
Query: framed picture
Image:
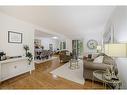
column 37, row 42
column 108, row 36
column 14, row 37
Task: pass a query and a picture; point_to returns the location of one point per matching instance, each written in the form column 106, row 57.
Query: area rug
column 65, row 72
column 44, row 60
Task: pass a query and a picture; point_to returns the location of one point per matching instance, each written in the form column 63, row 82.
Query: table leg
column 93, row 82
column 77, row 66
column 105, row 85
column 70, row 65
column 119, row 85
column 30, row 72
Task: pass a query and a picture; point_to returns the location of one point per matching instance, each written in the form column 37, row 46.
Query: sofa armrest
column 96, row 66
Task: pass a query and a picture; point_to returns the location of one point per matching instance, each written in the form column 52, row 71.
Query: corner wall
column 119, row 21
column 8, row 23
column 69, row 44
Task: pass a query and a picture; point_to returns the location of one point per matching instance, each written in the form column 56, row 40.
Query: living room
column 85, row 36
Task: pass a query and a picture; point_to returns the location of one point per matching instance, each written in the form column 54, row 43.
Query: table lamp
column 98, row 48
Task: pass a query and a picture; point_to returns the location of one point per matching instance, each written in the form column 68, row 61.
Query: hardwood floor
column 42, row 79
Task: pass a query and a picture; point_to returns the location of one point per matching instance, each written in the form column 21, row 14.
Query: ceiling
column 39, row 33
column 72, row 21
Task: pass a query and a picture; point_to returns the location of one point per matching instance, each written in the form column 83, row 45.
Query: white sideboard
column 13, row 67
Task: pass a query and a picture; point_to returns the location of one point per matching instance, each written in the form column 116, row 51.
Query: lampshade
column 98, row 47
column 116, row 50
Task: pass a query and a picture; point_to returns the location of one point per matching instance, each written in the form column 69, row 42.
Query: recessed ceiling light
column 55, row 37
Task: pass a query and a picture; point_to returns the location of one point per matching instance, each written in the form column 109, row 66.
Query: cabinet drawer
column 10, row 70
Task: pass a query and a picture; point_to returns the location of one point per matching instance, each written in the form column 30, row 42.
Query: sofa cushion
column 108, row 60
column 98, row 59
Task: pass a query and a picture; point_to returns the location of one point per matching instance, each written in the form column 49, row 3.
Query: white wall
column 94, row 34
column 69, row 44
column 119, row 21
column 45, row 41
column 8, row 23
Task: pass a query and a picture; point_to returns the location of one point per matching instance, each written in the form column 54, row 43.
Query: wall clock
column 92, row 44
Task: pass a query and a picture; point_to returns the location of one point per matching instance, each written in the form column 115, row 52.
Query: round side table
column 99, row 74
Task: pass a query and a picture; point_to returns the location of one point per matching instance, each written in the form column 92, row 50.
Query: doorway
column 77, row 48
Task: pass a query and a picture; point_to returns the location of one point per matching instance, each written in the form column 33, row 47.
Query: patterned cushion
column 108, row 60
column 98, row 59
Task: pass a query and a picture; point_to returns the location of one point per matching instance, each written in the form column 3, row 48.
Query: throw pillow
column 108, row 60
column 98, row 59
column 95, row 55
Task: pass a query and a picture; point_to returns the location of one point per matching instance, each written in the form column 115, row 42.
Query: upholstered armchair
column 65, row 56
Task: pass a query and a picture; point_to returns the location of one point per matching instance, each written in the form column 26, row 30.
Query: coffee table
column 99, row 74
column 74, row 64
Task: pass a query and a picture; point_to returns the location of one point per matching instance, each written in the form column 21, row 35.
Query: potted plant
column 26, row 48
column 28, row 54
column 30, row 57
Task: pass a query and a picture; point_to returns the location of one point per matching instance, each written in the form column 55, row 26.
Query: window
column 62, row 45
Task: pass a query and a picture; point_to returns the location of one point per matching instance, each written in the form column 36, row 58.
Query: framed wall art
column 14, row 37
column 108, row 36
